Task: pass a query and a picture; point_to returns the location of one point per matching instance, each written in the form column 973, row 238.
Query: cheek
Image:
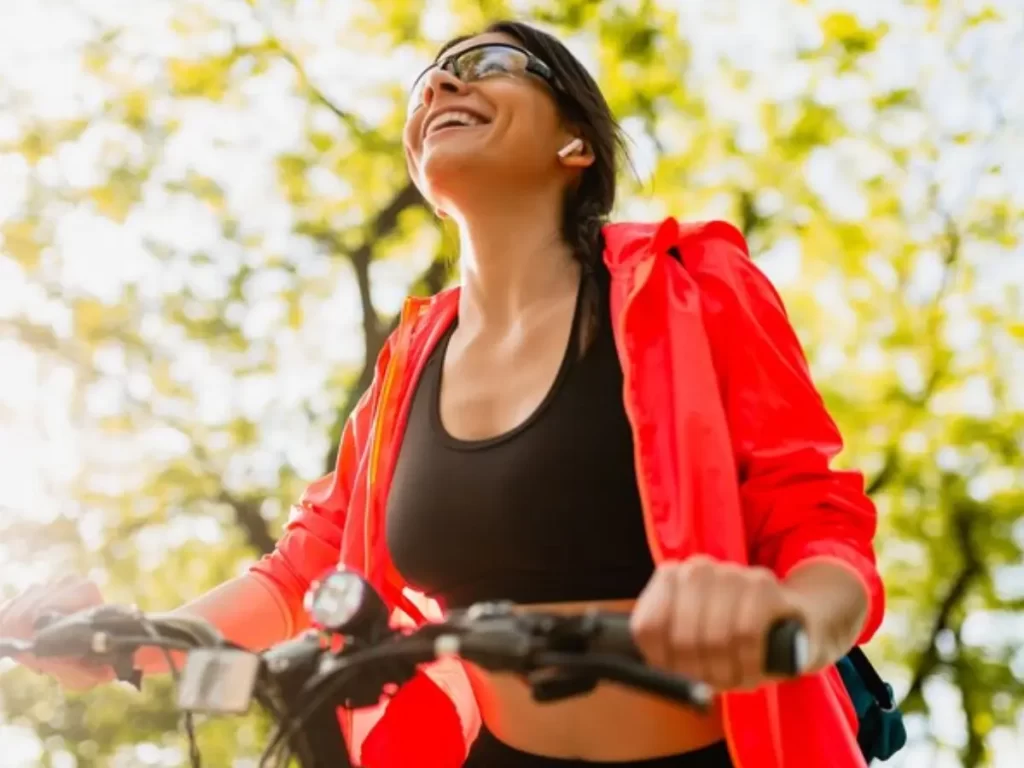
column 412, row 150
column 409, row 133
column 533, row 125
column 416, row 177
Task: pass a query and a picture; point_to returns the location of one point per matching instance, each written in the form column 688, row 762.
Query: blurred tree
column 208, row 245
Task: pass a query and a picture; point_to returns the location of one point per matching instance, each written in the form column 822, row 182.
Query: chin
column 448, row 171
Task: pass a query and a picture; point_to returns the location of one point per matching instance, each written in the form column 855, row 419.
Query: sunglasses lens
column 479, row 63
column 475, row 64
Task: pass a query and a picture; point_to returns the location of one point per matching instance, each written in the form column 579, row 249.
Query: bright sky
column 40, row 454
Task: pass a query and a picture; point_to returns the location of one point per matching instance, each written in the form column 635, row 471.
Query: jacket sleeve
column 311, row 541
column 795, row 506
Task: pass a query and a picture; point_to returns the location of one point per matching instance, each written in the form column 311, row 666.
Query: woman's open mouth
column 452, row 120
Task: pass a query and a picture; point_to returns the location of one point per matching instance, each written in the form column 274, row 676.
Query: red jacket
column 732, row 446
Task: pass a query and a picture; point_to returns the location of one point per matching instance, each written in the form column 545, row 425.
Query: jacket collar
column 626, row 243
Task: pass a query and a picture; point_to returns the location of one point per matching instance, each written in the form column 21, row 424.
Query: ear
column 575, row 153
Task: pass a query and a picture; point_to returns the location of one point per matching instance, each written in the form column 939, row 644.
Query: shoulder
column 716, row 254
column 715, row 237
column 713, row 252
column 692, row 239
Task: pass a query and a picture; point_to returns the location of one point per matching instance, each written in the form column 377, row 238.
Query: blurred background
column 206, row 230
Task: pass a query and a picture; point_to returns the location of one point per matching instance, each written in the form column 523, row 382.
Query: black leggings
column 488, row 752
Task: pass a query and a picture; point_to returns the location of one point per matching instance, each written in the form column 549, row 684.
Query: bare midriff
column 612, row 723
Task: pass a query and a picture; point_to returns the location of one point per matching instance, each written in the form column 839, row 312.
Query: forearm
column 835, row 604
column 247, row 611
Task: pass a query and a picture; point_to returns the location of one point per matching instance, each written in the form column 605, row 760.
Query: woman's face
column 513, row 140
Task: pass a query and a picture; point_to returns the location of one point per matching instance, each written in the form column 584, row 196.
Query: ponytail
column 582, row 222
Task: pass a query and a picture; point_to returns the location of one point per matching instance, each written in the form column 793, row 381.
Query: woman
column 615, row 415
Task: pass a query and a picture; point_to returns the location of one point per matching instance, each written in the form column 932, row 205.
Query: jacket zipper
column 383, row 407
column 377, row 432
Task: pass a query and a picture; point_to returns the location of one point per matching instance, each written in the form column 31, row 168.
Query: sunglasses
column 480, row 62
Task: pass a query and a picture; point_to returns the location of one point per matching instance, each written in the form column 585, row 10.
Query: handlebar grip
column 46, row 619
column 787, row 651
column 614, row 636
column 72, row 634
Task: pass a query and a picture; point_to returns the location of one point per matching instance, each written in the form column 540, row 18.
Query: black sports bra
column 547, row 512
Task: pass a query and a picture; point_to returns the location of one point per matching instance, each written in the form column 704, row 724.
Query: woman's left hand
column 709, row 620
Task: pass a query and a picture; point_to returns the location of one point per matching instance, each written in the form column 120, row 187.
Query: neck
column 512, row 257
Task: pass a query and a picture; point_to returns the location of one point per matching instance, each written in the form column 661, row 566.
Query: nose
column 439, row 80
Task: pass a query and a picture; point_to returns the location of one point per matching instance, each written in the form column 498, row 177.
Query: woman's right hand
column 18, row 617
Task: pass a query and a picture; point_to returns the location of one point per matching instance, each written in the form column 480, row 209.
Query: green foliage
column 252, row 232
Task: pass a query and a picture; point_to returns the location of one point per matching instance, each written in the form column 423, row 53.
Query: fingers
column 18, row 614
column 709, row 620
column 717, row 642
column 667, row 619
column 67, row 595
column 690, row 655
column 652, row 615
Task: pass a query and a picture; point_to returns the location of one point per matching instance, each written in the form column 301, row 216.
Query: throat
column 511, row 253
column 502, row 298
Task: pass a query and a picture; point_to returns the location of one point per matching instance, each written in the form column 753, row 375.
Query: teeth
column 454, row 117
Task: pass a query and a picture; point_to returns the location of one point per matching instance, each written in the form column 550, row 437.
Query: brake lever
column 125, row 670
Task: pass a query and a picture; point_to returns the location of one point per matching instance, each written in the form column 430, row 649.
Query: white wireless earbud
column 573, row 146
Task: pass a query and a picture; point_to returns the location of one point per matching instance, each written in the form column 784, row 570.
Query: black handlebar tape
column 787, row 651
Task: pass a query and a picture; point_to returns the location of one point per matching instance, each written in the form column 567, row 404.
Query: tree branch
column 382, row 225
column 275, row 43
column 971, row 568
column 249, row 517
column 316, row 93
column 749, row 219
column 375, row 332
column 973, row 752
column 889, row 470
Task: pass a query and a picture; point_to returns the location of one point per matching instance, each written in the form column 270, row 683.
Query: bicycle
column 353, row 658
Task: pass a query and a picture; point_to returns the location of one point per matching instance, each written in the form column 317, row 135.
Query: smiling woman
column 518, row 446
column 601, row 415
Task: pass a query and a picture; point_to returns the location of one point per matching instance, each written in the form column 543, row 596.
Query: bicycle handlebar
column 301, row 682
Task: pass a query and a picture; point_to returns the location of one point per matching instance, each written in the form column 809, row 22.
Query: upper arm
column 795, row 505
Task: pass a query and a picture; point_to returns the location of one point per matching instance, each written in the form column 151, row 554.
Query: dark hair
column 581, row 103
